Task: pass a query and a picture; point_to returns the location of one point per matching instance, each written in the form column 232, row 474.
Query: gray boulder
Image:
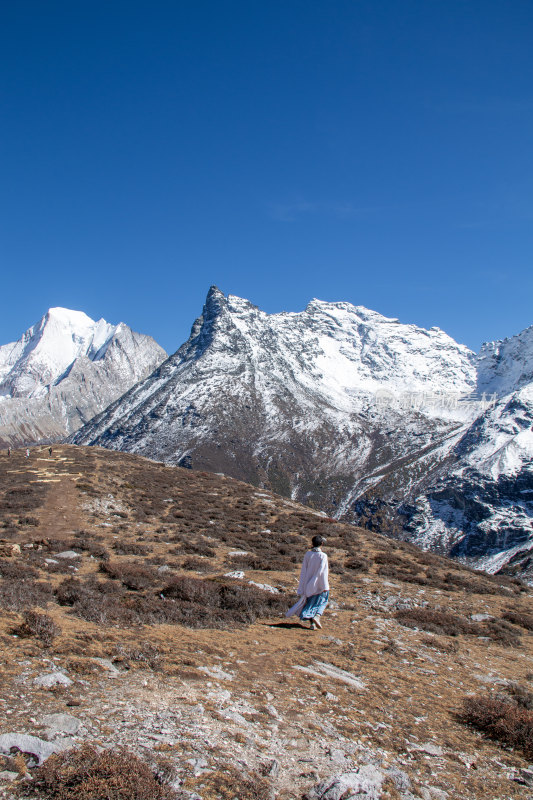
column 365, row 782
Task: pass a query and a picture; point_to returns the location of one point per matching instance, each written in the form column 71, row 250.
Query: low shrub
column 434, row 621
column 17, row 595
column 521, row 618
column 131, row 574
column 449, row 624
column 86, row 774
column 357, row 564
column 131, row 549
column 42, row 626
column 500, row 719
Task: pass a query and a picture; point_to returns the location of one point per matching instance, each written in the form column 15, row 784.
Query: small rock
column 238, row 574
column 433, row 793
column 57, row 724
column 107, row 664
column 338, row 756
column 401, row 779
column 271, row 769
column 163, row 568
column 430, row 749
column 331, row 697
column 6, row 775
column 31, row 745
column 52, row 679
column 68, row 554
column 266, row 587
column 364, row 783
column 481, row 617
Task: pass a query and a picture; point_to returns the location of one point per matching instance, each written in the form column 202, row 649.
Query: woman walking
column 313, row 588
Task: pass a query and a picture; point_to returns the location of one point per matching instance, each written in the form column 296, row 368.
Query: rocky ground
column 227, row 701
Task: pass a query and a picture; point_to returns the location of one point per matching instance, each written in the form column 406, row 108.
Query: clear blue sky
column 375, row 152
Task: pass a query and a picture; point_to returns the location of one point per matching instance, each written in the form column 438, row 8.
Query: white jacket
column 313, row 579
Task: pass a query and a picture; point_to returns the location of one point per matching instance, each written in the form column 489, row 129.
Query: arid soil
column 140, row 577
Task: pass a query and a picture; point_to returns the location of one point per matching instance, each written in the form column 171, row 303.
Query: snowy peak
column 506, row 365
column 49, row 348
column 66, row 368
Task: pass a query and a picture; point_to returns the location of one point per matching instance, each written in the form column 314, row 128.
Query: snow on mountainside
column 388, row 425
column 65, row 369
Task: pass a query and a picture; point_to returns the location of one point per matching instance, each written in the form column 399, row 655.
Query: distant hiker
column 27, row 452
column 8, row 451
column 49, row 451
column 313, row 588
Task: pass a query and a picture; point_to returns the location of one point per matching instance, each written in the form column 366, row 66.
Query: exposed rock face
column 64, row 370
column 388, row 425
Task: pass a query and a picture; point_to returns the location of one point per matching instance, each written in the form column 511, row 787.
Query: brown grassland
column 198, row 673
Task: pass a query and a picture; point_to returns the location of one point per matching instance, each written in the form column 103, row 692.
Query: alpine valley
column 65, row 369
column 391, row 426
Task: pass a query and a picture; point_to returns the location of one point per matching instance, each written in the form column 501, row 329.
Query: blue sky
column 374, row 152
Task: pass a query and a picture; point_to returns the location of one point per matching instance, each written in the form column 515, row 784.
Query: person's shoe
column 317, row 622
column 312, row 625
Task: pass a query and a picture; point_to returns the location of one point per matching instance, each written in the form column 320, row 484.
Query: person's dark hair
column 318, row 541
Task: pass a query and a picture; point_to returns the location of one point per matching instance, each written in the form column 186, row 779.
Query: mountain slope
column 64, row 370
column 125, row 559
column 387, row 425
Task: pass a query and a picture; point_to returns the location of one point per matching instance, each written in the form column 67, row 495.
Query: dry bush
column 519, row 617
column 131, row 574
column 131, row 549
column 42, row 626
column 17, row 595
column 32, row 521
column 15, row 569
column 231, row 783
column 357, row 564
column 386, row 557
column 500, row 719
column 96, row 601
column 434, row 621
column 145, row 653
column 443, row 622
column 521, row 696
column 85, row 774
column 197, row 565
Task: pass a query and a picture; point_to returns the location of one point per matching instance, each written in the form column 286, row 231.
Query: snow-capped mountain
column 64, row 370
column 388, row 425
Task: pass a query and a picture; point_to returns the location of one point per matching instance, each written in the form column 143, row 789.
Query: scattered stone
column 9, row 549
column 429, row 749
column 217, row 672
column 401, row 779
column 107, row 664
column 331, row 697
column 238, row 553
column 265, row 587
column 36, row 748
column 433, row 793
column 271, row 769
column 57, row 724
column 364, row 782
column 322, row 669
column 52, row 679
column 481, row 617
column 524, row 776
column 68, row 554
column 6, row 775
column 238, row 575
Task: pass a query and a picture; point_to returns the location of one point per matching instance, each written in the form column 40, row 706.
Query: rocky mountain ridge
column 65, row 369
column 343, row 409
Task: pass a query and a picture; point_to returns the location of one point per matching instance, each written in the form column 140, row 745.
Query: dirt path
column 60, row 514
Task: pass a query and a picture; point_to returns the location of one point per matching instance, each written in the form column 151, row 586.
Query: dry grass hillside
column 143, row 639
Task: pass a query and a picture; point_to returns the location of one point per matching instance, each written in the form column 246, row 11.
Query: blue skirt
column 314, row 606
